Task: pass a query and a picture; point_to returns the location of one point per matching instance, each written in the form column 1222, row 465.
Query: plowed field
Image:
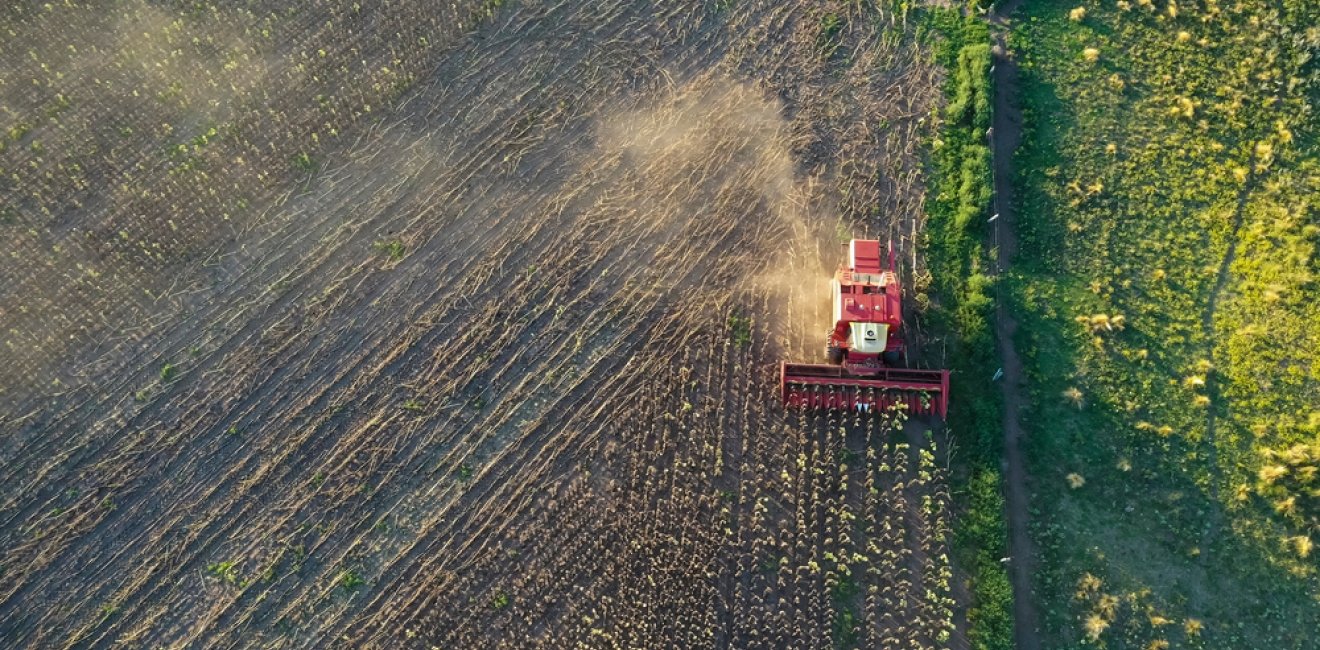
column 472, row 344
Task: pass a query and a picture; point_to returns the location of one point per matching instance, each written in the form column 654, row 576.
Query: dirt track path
column 1006, row 134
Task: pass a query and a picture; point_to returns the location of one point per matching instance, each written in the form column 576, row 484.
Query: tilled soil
column 501, row 372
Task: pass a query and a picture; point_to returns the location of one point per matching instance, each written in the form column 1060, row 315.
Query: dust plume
column 730, row 142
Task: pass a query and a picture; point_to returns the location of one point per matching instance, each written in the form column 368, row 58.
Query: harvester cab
column 866, row 355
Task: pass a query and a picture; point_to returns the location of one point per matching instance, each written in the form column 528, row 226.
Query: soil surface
column 1007, row 134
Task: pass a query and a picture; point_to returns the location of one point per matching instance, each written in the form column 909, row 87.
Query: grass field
column 389, row 325
column 1170, row 217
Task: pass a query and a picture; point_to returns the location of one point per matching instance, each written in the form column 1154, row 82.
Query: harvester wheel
column 834, row 354
column 893, row 359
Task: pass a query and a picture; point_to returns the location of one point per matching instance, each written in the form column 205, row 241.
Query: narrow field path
column 1006, row 133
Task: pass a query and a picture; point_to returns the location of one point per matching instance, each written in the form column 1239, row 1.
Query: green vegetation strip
column 958, row 208
column 1169, row 213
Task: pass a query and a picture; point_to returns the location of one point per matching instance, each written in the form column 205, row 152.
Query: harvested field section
column 501, row 373
column 142, row 136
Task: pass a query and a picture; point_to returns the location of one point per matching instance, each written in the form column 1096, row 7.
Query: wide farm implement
column 866, row 356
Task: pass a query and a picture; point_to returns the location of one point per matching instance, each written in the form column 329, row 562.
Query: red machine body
column 865, row 348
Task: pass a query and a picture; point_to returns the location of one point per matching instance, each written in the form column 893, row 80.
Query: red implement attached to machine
column 866, row 354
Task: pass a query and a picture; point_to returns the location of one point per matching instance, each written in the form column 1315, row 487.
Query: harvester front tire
column 892, row 359
column 834, row 354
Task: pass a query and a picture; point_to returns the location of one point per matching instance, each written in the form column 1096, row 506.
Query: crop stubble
column 535, row 425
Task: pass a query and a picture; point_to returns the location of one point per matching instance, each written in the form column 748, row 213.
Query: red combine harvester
column 865, row 350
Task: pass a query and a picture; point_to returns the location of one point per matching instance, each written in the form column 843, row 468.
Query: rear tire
column 834, row 354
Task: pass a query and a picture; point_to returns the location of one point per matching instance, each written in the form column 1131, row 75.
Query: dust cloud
column 733, row 141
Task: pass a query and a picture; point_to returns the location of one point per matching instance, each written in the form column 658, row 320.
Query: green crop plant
column 392, row 249
column 740, row 329
column 830, row 35
column 844, row 629
column 303, row 161
column 349, row 580
column 225, row 571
